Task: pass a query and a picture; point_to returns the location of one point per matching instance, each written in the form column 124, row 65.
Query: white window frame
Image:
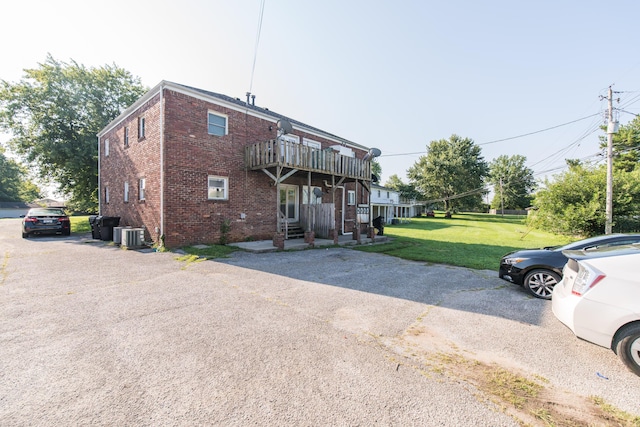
column 126, row 136
column 106, row 147
column 141, row 127
column 106, row 194
column 351, row 197
column 126, row 192
column 213, row 193
column 225, row 130
column 142, row 183
column 311, row 143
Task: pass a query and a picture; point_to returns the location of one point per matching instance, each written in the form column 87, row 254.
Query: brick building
column 192, row 166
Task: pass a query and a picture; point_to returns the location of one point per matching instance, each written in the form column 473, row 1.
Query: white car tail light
column 586, row 279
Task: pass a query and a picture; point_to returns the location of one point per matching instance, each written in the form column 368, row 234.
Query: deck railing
column 293, row 155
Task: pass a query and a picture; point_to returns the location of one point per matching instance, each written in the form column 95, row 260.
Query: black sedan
column 538, row 270
column 45, row 221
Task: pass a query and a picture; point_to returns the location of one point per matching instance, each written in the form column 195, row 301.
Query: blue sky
column 388, row 74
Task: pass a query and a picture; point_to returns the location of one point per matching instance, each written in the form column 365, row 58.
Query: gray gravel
column 92, row 334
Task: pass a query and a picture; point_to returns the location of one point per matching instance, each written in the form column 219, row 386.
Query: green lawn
column 80, row 224
column 466, row 240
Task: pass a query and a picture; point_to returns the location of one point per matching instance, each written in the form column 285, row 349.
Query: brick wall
column 191, row 155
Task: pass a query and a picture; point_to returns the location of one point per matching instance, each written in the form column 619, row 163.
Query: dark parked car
column 45, row 221
column 538, row 270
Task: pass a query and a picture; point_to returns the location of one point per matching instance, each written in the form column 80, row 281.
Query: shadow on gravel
column 458, row 288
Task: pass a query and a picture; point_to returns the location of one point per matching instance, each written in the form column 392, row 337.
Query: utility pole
column 612, row 127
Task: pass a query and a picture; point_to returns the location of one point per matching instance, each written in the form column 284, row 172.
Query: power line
column 504, row 139
column 255, row 50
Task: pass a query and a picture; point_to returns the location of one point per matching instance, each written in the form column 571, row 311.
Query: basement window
column 217, row 124
column 218, row 188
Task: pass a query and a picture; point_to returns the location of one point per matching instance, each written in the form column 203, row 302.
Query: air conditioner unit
column 117, row 235
column 132, row 237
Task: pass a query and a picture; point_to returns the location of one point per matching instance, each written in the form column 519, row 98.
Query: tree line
column 55, row 111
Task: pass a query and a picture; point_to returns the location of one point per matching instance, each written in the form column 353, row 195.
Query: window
column 126, row 136
column 141, row 127
column 351, row 197
column 126, row 192
column 141, row 185
column 106, row 194
column 218, row 188
column 217, row 124
column 388, row 195
column 106, row 147
column 378, row 193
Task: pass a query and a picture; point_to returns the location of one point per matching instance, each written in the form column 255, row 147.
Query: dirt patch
column 529, row 399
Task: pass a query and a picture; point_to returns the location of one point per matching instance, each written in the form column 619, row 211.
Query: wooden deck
column 273, row 153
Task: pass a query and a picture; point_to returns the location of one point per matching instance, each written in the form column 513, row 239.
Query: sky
column 394, row 75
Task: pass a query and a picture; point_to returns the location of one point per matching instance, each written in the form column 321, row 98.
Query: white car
column 598, row 298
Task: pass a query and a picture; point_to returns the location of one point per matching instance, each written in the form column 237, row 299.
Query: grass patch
column 466, row 240
column 80, row 224
column 210, row 252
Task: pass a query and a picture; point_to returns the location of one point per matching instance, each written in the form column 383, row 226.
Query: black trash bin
column 95, row 231
column 106, row 224
column 378, row 223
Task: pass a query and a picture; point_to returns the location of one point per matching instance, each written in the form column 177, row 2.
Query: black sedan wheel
column 541, row 282
column 627, row 347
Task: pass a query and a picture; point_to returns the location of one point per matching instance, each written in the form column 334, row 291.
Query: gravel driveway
column 92, row 334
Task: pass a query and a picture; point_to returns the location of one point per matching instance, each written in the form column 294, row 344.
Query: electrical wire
column 504, row 139
column 255, row 50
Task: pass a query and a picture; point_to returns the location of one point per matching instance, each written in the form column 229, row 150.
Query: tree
column 626, row 145
column 512, row 182
column 452, row 171
column 376, row 168
column 53, row 115
column 574, row 202
column 407, row 191
column 14, row 183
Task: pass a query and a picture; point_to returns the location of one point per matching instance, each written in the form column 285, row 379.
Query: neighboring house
column 15, row 209
column 387, row 203
column 192, row 166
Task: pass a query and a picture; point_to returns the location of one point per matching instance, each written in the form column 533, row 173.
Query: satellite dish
column 317, row 192
column 373, row 153
column 284, row 126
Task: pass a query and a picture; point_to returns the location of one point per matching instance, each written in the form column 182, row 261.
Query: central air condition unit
column 132, row 237
column 117, row 235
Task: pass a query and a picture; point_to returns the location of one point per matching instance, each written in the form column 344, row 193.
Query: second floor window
column 141, row 127
column 126, row 136
column 106, row 147
column 217, row 124
column 126, row 192
column 351, row 196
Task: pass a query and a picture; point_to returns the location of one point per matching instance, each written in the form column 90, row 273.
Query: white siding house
column 386, row 202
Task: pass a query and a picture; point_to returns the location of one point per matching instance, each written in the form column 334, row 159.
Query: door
column 289, row 202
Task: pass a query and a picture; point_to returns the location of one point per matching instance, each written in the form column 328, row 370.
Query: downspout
column 342, row 187
column 99, row 182
column 161, row 232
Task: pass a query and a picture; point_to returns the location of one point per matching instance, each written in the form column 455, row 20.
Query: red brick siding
column 190, row 156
